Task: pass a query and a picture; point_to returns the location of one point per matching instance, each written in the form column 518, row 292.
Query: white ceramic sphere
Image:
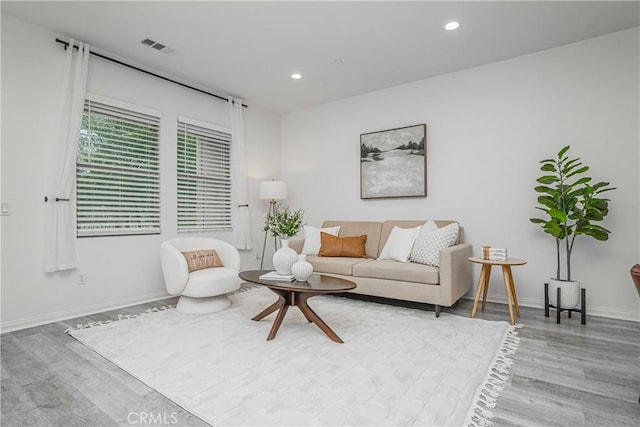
column 302, row 269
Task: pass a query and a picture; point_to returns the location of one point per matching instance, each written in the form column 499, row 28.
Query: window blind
column 204, row 178
column 118, row 179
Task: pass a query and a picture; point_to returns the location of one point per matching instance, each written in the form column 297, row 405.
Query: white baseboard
column 612, row 313
column 30, row 322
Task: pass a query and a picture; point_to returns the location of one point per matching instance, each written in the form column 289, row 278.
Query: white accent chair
column 201, row 291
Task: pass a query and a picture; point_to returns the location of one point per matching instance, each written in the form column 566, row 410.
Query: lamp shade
column 273, row 190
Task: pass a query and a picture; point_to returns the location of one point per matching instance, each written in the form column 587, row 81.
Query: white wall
column 119, row 270
column 488, row 124
column 487, row 128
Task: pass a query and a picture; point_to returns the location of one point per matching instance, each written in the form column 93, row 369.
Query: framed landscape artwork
column 393, row 163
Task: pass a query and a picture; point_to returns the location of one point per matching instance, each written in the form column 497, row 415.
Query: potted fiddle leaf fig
column 572, row 207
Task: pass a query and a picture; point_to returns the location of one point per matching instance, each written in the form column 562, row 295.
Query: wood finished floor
column 563, row 375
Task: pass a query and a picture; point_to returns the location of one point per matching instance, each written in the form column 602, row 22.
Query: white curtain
column 60, row 232
column 240, row 202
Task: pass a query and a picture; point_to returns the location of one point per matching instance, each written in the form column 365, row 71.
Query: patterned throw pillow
column 204, row 258
column 426, row 249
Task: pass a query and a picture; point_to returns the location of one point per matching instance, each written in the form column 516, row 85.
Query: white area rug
column 397, row 366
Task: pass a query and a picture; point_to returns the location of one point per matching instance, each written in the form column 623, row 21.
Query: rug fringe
column 486, row 397
column 120, row 317
column 147, row 311
column 245, row 288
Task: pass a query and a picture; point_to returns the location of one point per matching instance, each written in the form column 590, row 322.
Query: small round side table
column 509, row 287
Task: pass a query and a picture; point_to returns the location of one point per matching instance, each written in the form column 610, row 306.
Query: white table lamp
column 273, row 190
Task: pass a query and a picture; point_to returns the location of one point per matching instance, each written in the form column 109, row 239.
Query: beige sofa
column 409, row 281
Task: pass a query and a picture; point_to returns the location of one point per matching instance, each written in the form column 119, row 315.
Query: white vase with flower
column 285, row 223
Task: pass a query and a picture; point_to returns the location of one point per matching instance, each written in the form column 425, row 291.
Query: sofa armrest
column 296, row 244
column 456, row 277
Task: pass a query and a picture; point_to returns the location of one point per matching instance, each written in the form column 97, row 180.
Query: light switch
column 5, row 209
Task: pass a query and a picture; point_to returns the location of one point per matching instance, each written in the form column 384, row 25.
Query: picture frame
column 393, row 163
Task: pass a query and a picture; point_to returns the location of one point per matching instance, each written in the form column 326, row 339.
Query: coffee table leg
column 306, row 315
column 278, row 322
column 267, row 311
column 310, row 314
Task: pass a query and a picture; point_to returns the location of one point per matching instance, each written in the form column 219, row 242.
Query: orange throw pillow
column 352, row 247
column 205, row 258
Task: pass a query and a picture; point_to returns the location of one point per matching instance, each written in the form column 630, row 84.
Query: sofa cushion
column 333, row 265
column 334, row 246
column 429, row 243
column 211, row 282
column 393, row 270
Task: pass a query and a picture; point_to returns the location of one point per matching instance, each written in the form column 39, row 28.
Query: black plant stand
column 583, row 305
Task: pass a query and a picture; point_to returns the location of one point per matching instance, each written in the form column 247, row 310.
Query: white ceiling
column 250, row 49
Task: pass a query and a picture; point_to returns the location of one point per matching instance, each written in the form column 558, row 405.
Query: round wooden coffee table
column 297, row 293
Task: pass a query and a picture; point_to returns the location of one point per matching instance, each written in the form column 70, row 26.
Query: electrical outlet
column 82, row 279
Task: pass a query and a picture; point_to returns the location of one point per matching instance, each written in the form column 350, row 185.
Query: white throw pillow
column 312, row 238
column 427, row 227
column 399, row 243
column 427, row 246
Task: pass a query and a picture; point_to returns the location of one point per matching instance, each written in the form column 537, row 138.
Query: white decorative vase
column 569, row 293
column 284, row 258
column 302, row 269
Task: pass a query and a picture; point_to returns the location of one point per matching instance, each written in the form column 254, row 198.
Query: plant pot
column 284, row 258
column 302, row 269
column 569, row 293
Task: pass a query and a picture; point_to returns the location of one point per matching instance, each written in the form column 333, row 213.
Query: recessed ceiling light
column 296, row 76
column 338, row 61
column 452, row 25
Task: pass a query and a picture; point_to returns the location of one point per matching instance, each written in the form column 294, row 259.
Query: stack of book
column 273, row 275
column 498, row 254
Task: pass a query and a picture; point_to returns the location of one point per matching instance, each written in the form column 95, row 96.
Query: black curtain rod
column 66, row 45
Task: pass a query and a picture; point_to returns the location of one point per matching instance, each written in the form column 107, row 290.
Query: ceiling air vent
column 157, row 46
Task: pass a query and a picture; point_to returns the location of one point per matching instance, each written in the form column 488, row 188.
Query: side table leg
column 507, row 288
column 487, row 279
column 481, row 285
column 513, row 292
